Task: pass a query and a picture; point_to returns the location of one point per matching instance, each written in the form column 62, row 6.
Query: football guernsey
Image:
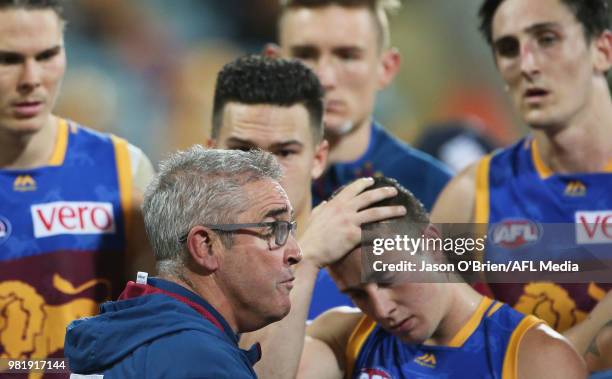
column 485, row 348
column 62, row 239
column 568, row 215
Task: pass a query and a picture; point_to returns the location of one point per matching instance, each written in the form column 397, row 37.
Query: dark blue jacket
column 158, row 330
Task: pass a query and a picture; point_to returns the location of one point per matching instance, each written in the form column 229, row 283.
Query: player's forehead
column 347, row 271
column 29, row 30
column 514, row 17
column 328, row 26
column 264, row 125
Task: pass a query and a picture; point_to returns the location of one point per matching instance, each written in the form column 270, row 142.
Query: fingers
column 367, row 198
column 380, row 213
column 354, row 188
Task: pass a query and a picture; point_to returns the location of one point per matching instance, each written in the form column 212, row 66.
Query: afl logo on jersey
column 5, row 229
column 374, row 373
column 514, row 233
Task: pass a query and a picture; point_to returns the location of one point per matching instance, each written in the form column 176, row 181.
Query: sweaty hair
column 256, row 79
column 54, row 5
column 380, row 9
column 591, row 14
column 415, row 210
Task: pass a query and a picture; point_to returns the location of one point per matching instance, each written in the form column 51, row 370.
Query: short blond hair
column 381, row 10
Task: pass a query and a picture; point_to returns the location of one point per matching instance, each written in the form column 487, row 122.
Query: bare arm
column 599, row 352
column 324, row 351
column 456, row 202
column 333, row 230
column 593, row 336
column 545, row 354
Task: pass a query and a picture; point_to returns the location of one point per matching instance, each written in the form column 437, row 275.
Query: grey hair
column 199, row 186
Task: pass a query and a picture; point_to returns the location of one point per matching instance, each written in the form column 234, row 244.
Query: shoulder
column 396, row 150
column 456, row 202
column 141, row 167
column 544, row 353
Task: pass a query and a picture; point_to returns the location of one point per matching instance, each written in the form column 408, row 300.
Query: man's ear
column 602, row 50
column 272, row 50
column 201, row 250
column 388, row 67
column 320, row 159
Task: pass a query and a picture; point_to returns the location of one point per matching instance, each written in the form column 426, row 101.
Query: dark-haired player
column 553, row 56
column 277, row 105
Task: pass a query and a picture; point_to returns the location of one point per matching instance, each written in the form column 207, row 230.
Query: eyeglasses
column 280, row 230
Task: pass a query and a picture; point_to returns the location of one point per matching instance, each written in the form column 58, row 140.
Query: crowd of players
column 221, row 222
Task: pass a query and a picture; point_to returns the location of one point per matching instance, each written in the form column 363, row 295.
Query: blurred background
column 145, row 70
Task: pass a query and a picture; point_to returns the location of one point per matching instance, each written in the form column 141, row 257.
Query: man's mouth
column 404, row 325
column 27, row 109
column 333, row 105
column 535, row 93
column 288, row 283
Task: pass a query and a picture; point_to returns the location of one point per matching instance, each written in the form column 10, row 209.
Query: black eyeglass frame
column 279, row 239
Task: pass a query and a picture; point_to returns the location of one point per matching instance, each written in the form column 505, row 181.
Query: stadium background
column 145, row 69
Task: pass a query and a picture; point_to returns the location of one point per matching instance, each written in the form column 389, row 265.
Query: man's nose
column 30, row 76
column 528, row 60
column 326, row 72
column 293, row 253
column 382, row 304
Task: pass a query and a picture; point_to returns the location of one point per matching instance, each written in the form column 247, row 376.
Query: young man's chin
column 338, row 128
column 23, row 126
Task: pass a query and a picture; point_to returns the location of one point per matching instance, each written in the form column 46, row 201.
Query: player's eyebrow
column 542, row 26
column 241, row 142
column 14, row 56
column 531, row 29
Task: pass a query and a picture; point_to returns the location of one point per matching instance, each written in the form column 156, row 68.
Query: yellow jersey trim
column 544, row 171
column 124, row 175
column 355, row 342
column 466, row 331
column 61, row 144
column 481, row 208
column 510, row 366
column 494, row 309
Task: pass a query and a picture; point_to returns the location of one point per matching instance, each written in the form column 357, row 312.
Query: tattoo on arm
column 593, row 349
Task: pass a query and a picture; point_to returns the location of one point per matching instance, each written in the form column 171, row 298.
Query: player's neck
column 463, row 303
column 584, row 144
column 19, row 151
column 351, row 146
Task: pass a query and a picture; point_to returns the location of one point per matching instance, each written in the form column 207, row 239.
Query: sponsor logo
column 72, row 217
column 593, row 227
column 514, row 233
column 427, row 360
column 24, row 183
column 5, row 229
column 374, row 373
column 575, row 188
